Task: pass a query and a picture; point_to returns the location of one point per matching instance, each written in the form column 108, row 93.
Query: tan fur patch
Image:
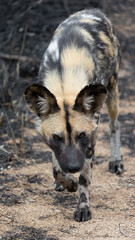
column 86, row 34
column 80, row 122
column 53, row 84
column 55, row 123
column 88, row 20
column 75, row 79
column 117, row 67
column 113, row 101
column 74, row 56
column 75, row 62
column 107, row 41
column 100, row 55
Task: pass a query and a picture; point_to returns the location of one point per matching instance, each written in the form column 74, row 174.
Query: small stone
column 57, row 210
column 1, row 168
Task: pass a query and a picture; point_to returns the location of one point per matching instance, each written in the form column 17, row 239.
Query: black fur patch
column 70, row 158
column 91, row 165
column 55, row 172
column 89, row 153
column 72, row 188
column 53, row 63
column 83, row 198
column 70, row 36
column 56, row 146
column 83, row 143
column 82, row 180
column 68, row 126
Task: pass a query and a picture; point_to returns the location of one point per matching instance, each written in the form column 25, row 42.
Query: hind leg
column 112, row 102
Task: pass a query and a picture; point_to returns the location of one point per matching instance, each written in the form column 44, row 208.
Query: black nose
column 73, row 167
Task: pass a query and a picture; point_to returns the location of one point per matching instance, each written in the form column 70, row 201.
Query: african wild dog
column 78, row 74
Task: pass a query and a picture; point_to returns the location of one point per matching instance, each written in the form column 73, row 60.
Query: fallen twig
column 121, row 231
column 3, row 149
column 1, row 118
column 66, row 7
column 21, row 51
column 12, row 133
column 22, row 126
column 34, row 4
column 17, row 57
column 5, row 75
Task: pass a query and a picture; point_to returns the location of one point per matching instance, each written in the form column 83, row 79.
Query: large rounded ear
column 41, row 101
column 90, row 99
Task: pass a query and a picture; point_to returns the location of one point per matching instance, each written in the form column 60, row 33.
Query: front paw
column 116, row 166
column 82, row 214
column 73, row 187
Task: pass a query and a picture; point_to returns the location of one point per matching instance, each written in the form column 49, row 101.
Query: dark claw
column 58, row 187
column 116, row 167
column 82, row 214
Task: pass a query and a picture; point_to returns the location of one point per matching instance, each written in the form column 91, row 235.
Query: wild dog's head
column 68, row 130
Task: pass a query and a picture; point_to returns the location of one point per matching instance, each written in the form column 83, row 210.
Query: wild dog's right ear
column 90, row 99
column 41, row 101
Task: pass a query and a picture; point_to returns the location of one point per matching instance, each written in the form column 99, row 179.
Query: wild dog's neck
column 74, row 80
column 66, row 86
column 77, row 68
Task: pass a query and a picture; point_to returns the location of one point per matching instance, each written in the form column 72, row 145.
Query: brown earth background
column 30, row 209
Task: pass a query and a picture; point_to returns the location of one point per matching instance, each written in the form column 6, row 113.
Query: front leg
column 63, row 180
column 83, row 212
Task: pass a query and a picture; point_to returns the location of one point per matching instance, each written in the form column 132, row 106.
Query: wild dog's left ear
column 90, row 99
column 40, row 100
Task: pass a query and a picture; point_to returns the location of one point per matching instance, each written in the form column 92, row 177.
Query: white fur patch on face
column 88, row 101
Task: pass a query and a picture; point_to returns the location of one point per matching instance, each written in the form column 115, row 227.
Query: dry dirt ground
column 30, row 209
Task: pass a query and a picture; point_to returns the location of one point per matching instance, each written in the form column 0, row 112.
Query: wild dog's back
column 84, row 50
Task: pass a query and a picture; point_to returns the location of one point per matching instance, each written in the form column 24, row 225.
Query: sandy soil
column 30, row 208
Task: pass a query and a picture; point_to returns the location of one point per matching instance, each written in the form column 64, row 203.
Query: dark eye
column 81, row 135
column 56, row 137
